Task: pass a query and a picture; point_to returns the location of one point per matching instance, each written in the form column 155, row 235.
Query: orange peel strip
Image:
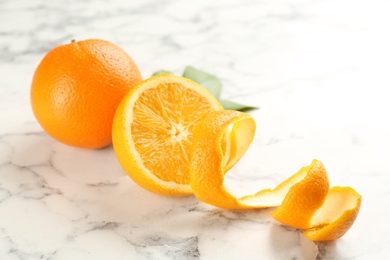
column 336, row 216
column 304, row 199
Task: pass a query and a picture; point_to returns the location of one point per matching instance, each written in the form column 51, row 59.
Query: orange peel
column 336, row 216
column 304, row 197
column 303, row 201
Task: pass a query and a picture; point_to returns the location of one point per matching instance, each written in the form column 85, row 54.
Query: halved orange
column 153, row 130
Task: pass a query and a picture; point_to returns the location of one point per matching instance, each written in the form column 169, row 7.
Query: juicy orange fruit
column 76, row 89
column 153, row 131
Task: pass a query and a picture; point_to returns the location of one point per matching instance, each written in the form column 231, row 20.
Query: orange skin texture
column 304, row 199
column 207, row 173
column 338, row 227
column 76, row 89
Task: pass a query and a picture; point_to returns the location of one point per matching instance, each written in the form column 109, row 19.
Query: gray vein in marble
column 174, row 248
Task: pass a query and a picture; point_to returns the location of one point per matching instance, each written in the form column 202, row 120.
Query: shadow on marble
column 286, row 242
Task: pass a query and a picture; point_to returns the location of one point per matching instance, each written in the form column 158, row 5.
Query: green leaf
column 230, row 105
column 210, row 82
column 161, row 72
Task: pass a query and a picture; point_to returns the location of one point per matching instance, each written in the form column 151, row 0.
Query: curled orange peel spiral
column 303, row 201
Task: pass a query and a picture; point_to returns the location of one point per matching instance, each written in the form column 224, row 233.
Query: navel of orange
column 173, row 138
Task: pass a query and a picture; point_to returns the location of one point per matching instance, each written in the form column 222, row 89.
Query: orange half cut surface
column 153, row 131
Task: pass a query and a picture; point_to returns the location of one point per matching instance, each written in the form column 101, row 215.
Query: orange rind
column 304, row 197
column 336, row 215
column 220, row 140
column 216, row 149
column 303, row 201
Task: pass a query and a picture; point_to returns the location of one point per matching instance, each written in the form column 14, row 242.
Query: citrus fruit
column 153, row 131
column 76, row 89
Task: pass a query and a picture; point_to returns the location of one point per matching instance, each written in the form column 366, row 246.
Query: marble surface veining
column 318, row 70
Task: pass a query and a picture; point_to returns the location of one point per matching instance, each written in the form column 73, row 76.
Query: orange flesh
column 164, row 118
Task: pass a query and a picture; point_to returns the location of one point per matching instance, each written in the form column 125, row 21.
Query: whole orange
column 76, row 89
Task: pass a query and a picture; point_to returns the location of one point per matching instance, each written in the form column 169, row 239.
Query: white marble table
column 319, row 70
